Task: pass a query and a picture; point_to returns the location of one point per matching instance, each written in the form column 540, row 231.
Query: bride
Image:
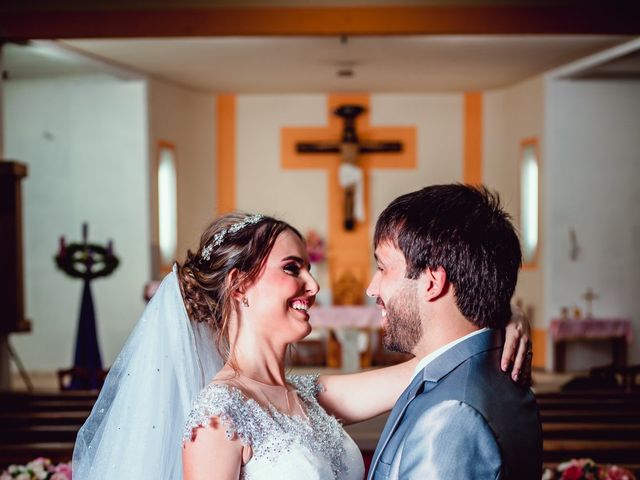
column 242, row 297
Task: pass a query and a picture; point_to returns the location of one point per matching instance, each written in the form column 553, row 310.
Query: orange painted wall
column 539, row 341
column 472, row 172
column 226, row 153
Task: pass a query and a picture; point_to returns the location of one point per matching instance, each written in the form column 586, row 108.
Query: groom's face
column 397, row 297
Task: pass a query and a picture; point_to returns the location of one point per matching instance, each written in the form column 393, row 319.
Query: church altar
column 618, row 330
column 345, row 316
column 351, row 324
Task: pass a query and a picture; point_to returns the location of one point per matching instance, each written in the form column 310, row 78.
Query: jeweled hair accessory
column 218, row 238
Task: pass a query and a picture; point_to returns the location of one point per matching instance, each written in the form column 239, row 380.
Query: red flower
column 315, row 247
column 617, row 473
column 572, row 473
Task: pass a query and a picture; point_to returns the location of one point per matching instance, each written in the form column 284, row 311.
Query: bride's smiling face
column 281, row 295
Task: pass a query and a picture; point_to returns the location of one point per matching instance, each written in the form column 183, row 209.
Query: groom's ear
column 436, row 284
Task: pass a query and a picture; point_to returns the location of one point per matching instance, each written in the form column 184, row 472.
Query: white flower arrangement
column 38, row 469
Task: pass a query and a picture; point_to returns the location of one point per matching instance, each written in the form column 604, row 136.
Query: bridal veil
column 135, row 428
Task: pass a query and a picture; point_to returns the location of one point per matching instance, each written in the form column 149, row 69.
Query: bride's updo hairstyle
column 233, row 241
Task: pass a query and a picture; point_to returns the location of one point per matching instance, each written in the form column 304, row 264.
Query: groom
column 448, row 260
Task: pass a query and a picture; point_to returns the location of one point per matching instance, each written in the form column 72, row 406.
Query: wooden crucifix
column 349, row 251
column 350, row 173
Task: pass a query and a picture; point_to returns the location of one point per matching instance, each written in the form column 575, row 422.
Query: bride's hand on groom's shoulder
column 516, row 355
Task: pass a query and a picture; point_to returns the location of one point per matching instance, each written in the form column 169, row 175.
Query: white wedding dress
column 310, row 447
column 136, row 426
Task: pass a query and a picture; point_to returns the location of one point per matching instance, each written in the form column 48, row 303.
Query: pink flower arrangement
column 315, row 247
column 586, row 469
column 38, row 469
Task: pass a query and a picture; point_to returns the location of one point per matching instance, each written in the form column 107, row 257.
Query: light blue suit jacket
column 462, row 418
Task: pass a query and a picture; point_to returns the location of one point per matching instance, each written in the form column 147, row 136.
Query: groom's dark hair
column 464, row 230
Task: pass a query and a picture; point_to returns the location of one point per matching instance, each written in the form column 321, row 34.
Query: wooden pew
column 23, row 453
column 602, row 451
column 586, row 431
column 46, row 401
column 38, row 433
column 41, row 424
column 602, row 425
column 589, row 416
column 14, row 419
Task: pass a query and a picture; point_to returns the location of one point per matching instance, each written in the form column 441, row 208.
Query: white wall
column 439, row 121
column 512, row 115
column 296, row 196
column 300, row 196
column 84, row 141
column 592, row 174
column 187, row 119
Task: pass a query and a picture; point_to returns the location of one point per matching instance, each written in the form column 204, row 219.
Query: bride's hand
column 517, row 347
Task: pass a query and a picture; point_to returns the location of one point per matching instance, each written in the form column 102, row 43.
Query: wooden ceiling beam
column 323, row 21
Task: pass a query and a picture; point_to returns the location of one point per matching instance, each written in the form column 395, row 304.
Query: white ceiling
column 310, row 64
column 46, row 59
column 625, row 66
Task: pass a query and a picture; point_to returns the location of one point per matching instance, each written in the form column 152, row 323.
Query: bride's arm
column 211, row 454
column 359, row 396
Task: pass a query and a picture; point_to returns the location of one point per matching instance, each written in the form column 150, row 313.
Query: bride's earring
column 245, row 302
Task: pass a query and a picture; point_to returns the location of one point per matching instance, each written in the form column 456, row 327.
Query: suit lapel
column 394, row 417
column 429, row 377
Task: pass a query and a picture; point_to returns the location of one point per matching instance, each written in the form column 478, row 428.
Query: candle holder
column 86, row 261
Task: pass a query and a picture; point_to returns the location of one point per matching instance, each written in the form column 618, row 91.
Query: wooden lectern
column 11, row 262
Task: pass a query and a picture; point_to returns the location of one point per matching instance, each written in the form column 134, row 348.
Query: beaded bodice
column 315, row 447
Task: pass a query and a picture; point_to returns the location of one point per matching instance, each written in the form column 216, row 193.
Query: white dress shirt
column 426, row 360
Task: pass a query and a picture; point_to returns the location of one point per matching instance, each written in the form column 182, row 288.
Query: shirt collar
column 426, row 360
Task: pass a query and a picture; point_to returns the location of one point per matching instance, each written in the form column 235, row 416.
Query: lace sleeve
column 307, row 386
column 226, row 403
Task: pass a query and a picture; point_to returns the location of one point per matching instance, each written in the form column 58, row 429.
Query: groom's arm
column 450, row 441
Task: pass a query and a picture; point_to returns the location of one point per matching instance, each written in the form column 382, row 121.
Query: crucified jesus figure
column 350, row 173
column 351, row 178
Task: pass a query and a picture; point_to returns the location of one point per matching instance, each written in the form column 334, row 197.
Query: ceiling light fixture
column 345, row 68
column 345, row 72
